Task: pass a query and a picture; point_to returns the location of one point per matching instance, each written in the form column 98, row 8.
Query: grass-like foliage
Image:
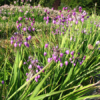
column 47, row 54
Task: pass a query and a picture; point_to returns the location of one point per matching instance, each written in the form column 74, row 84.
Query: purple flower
column 66, row 8
column 70, row 19
column 63, row 8
column 20, row 24
column 26, row 44
column 32, row 24
column 11, row 42
column 82, row 19
column 46, row 45
column 29, row 28
column 30, row 66
column 36, row 70
column 70, row 59
column 33, row 29
column 52, row 8
column 48, row 12
column 84, row 56
column 54, row 22
column 80, row 8
column 36, row 79
column 15, row 45
column 45, row 53
column 61, row 64
column 17, row 21
column 2, row 82
column 26, row 39
column 72, row 53
column 76, row 22
column 66, row 63
column 78, row 53
column 19, row 44
column 30, row 19
column 61, row 54
column 26, row 74
column 80, row 63
column 26, row 18
column 24, row 63
column 44, row 18
column 20, row 18
column 38, row 76
column 61, row 15
column 73, row 57
column 74, row 64
column 29, row 37
column 38, row 66
column 49, row 59
column 60, row 11
column 47, row 17
column 59, row 59
column 55, row 57
column 24, row 29
column 47, row 21
column 27, row 79
column 67, row 51
column 74, row 13
column 45, row 10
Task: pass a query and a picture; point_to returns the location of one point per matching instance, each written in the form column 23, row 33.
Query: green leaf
column 36, row 90
column 88, row 97
column 51, row 93
column 68, row 77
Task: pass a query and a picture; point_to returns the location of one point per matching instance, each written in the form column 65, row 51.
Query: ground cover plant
column 48, row 54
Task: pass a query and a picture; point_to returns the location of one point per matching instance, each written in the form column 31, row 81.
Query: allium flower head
column 49, row 59
column 2, row 82
column 61, row 54
column 26, row 44
column 61, row 64
column 67, row 51
column 15, row 45
column 54, row 22
column 33, row 29
column 30, row 66
column 82, row 19
column 74, row 64
column 66, row 63
column 46, row 45
column 74, row 13
column 29, row 37
column 45, row 10
column 20, row 18
column 29, row 28
column 45, row 53
column 52, row 8
column 24, row 29
column 72, row 53
column 64, row 8
column 32, row 24
column 45, row 18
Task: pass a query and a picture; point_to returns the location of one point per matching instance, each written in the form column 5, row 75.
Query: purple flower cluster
column 24, row 28
column 18, row 39
column 72, row 16
column 34, row 68
column 57, row 56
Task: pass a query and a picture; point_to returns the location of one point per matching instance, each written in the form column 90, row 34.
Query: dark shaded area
column 56, row 4
column 88, row 5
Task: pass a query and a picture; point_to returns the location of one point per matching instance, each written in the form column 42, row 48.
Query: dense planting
column 49, row 54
